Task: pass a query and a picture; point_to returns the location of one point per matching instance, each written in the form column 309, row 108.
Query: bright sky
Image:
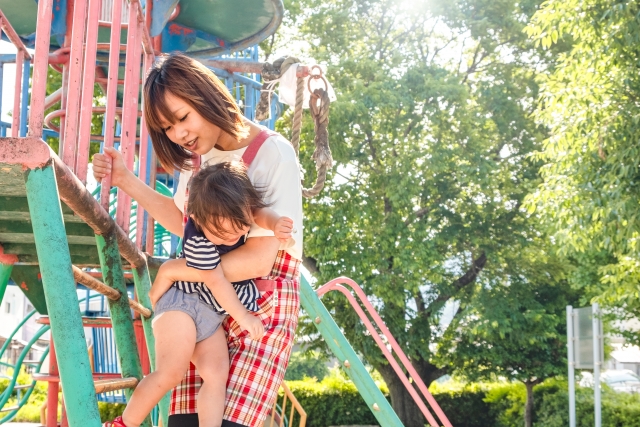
column 8, row 80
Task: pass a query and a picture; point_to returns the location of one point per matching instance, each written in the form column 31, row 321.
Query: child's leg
column 211, row 358
column 175, row 335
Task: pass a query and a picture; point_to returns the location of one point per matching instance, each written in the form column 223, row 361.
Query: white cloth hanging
column 288, row 84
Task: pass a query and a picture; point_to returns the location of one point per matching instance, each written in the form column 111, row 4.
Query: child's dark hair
column 223, row 192
column 198, row 86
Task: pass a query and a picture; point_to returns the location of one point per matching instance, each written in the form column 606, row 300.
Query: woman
column 187, row 111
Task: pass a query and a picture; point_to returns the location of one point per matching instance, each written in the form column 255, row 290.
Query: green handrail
column 6, row 394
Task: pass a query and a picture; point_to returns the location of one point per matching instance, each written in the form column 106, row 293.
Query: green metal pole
column 5, row 274
column 341, row 348
column 142, row 281
column 62, row 299
column 121, row 320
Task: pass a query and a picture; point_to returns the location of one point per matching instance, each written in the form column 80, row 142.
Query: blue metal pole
column 24, row 108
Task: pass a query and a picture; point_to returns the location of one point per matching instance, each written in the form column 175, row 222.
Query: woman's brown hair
column 223, row 191
column 191, row 81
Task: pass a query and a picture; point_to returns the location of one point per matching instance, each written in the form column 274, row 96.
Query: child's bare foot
column 253, row 325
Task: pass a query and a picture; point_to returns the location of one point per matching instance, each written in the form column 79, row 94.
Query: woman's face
column 189, row 130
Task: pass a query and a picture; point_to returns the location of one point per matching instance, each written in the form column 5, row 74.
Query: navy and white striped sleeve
column 200, row 253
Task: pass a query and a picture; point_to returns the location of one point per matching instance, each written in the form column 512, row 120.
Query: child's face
column 190, row 129
column 226, row 235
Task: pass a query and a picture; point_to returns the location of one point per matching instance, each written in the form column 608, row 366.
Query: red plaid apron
column 257, row 368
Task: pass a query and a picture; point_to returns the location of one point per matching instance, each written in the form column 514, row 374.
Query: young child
column 222, row 205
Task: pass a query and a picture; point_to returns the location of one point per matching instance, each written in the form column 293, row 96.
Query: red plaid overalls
column 257, row 368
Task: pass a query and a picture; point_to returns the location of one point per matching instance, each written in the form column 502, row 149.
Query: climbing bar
column 112, row 294
column 236, row 66
column 75, row 195
column 73, row 70
column 103, row 386
column 40, row 67
column 109, row 126
column 144, row 31
column 96, row 285
column 13, row 37
column 86, row 103
column 336, row 284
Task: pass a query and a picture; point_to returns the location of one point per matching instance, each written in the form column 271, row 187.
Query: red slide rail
column 340, row 284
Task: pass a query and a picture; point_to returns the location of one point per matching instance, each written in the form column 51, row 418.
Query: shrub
column 306, row 365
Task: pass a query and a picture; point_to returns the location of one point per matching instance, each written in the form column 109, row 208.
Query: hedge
column 334, row 401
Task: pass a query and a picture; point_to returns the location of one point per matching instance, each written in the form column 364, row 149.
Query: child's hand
column 283, row 229
column 253, row 325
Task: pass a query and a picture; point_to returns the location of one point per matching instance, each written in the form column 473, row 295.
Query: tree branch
column 469, row 277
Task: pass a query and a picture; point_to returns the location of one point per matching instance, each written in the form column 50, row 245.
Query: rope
column 319, row 105
column 296, row 127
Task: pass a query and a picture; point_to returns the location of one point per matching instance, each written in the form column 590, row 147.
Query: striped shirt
column 202, row 254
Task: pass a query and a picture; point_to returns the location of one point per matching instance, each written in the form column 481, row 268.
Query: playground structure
column 54, row 234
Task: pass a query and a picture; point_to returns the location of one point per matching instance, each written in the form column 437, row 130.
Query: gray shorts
column 206, row 319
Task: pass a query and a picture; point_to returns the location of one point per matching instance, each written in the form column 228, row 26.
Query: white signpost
column 585, row 351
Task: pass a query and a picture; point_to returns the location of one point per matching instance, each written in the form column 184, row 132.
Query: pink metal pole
column 129, row 113
column 335, row 284
column 65, row 79
column 112, row 87
column 144, row 31
column 74, row 84
column 40, row 66
column 86, row 105
column 15, row 122
column 143, row 172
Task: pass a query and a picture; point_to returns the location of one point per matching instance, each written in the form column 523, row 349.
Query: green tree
column 515, row 330
column 431, row 135
column 590, row 194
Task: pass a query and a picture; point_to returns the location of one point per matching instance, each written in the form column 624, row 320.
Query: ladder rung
column 91, row 283
column 103, row 386
column 88, row 322
column 22, row 386
column 31, row 362
column 114, row 295
column 97, row 376
column 12, row 408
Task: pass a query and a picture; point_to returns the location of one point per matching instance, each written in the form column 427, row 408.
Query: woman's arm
column 253, row 259
column 161, row 208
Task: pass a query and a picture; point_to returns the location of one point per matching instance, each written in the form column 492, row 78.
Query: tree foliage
column 431, row 134
column 590, row 194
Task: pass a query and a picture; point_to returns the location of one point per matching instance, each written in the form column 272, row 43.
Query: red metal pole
column 87, row 90
column 40, row 66
column 74, row 84
column 112, row 87
column 54, row 386
column 15, row 122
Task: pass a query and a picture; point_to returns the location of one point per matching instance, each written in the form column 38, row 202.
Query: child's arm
column 177, row 269
column 226, row 296
column 268, row 219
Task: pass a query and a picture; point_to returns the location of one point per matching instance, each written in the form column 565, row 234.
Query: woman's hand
column 110, row 163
